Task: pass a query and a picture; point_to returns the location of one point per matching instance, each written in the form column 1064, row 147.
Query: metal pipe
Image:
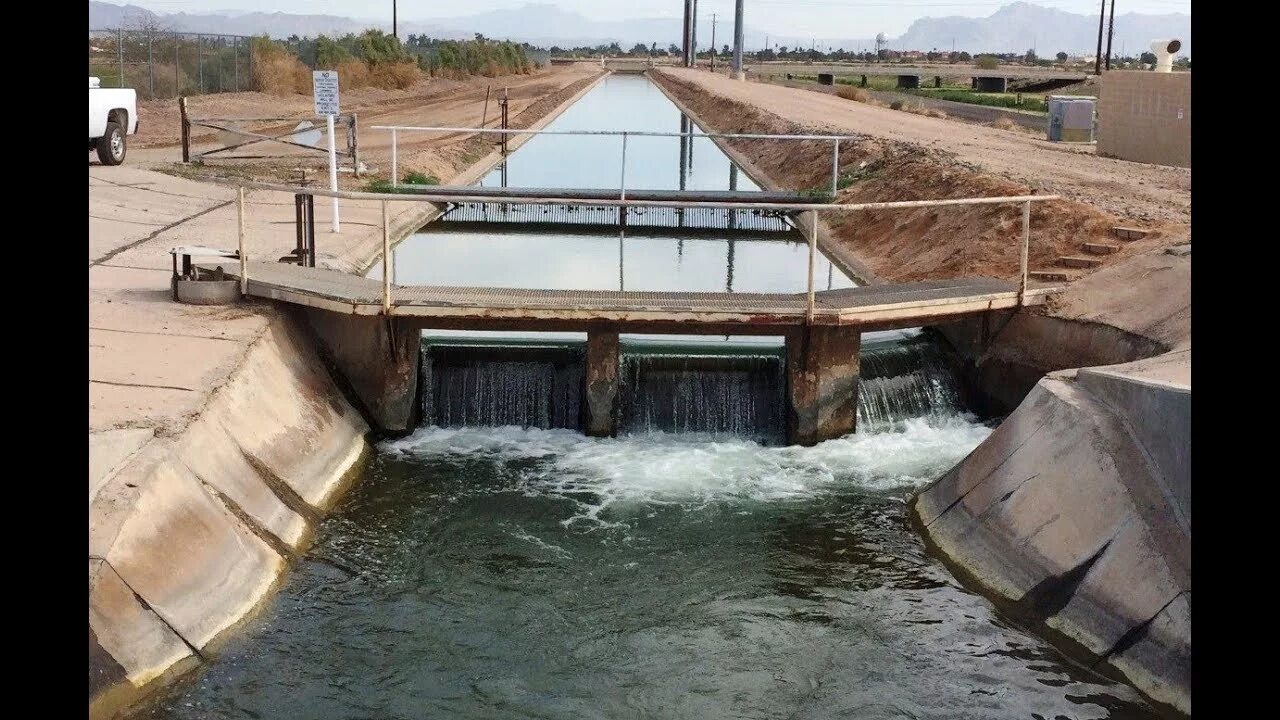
column 386, row 255
column 835, row 167
column 394, row 159
column 120, row 52
column 1026, row 247
column 151, row 69
column 813, row 251
column 561, row 200
column 244, row 257
column 633, row 133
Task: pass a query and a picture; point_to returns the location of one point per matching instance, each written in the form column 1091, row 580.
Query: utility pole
column 1111, row 31
column 394, row 27
column 738, row 32
column 713, row 42
column 1097, row 58
column 688, row 5
column 693, row 35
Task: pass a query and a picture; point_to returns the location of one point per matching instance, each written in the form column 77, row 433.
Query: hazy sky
column 820, row 18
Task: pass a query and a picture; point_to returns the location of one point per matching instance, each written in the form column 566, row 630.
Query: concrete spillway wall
column 1075, row 516
column 188, row 538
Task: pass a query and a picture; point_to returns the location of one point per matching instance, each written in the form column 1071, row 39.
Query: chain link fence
column 168, row 64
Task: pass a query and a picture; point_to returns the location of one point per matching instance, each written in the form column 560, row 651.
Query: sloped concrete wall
column 189, row 537
column 1061, row 516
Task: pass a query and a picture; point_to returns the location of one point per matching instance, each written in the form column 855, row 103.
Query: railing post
column 394, row 159
column 835, row 167
column 386, row 260
column 1026, row 246
column 813, row 251
column 120, row 52
column 244, row 258
column 186, row 129
column 623, row 181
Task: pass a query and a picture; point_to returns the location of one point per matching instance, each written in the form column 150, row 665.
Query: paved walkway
column 153, row 362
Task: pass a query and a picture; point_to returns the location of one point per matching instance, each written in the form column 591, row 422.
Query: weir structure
column 370, row 327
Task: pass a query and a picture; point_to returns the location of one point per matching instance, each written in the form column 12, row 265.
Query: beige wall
column 1145, row 117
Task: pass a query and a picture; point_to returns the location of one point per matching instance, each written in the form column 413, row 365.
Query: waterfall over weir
column 737, row 395
column 670, row 389
column 904, row 379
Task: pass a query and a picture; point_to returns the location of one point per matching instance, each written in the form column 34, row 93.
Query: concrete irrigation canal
column 640, row 460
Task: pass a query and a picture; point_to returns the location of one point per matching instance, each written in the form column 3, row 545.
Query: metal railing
column 811, row 232
column 835, row 141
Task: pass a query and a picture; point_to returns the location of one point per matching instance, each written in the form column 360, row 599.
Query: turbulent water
column 512, row 573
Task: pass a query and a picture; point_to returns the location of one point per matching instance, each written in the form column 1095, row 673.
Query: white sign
column 325, row 88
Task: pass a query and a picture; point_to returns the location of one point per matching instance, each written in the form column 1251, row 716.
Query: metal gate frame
column 347, row 120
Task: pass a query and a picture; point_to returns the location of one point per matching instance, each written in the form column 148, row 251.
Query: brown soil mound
column 902, row 245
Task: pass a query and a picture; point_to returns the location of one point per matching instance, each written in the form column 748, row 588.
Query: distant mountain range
column 1016, row 27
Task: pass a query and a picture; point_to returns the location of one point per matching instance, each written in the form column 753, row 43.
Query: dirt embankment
column 903, row 245
column 434, row 102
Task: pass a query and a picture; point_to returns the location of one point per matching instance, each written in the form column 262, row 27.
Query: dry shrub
column 394, row 76
column 896, row 105
column 352, row 74
column 167, row 84
column 277, row 72
column 853, row 93
column 1004, row 123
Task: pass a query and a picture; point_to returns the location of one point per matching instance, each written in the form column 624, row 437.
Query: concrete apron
column 188, row 535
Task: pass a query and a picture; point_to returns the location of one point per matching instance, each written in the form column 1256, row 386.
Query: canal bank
column 217, row 436
column 1114, row 593
column 513, row 572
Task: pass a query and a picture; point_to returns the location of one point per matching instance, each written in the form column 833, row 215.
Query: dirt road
column 1132, row 190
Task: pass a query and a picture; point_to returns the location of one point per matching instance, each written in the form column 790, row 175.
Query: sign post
column 325, row 88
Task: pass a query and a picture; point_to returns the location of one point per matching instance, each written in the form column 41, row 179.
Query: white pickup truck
column 113, row 114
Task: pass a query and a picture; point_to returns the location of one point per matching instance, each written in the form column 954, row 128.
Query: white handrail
column 633, row 133
column 384, row 198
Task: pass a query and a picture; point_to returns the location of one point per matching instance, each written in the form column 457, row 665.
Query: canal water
column 527, row 571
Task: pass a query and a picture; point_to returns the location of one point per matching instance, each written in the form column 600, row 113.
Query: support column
column 601, row 406
column 379, row 361
column 822, row 383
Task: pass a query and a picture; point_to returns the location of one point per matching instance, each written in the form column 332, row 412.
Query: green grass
column 1005, row 100
column 406, row 187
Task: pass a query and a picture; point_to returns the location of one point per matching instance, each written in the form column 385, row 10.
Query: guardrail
column 624, row 134
column 426, row 195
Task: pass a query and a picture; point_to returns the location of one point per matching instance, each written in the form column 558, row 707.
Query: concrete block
column 189, row 558
column 1159, row 659
column 127, row 641
column 284, row 409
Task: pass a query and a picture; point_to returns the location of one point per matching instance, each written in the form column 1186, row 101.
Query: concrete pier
column 379, row 358
column 822, row 383
column 600, row 406
column 908, row 82
column 601, row 397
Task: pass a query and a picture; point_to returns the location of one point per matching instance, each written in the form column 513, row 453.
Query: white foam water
column 659, row 468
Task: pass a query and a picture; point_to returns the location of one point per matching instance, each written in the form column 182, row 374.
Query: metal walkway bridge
column 371, row 326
